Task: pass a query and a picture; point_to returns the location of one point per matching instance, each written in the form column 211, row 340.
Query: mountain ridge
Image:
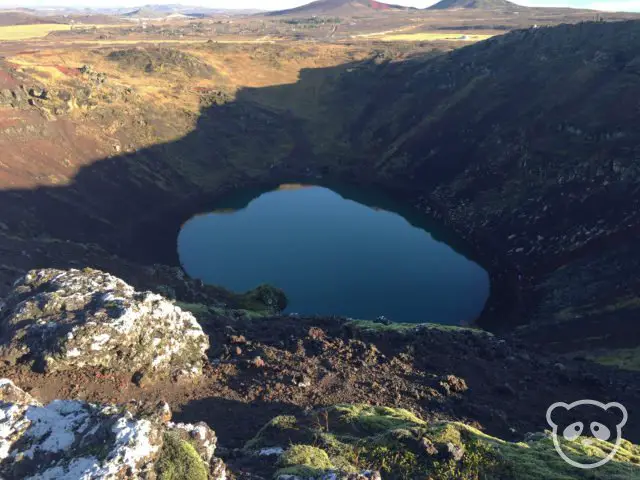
column 476, row 5
column 341, row 7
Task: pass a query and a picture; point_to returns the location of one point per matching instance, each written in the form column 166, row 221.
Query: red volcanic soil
column 8, row 119
column 379, row 6
column 339, row 7
column 69, row 71
column 6, row 80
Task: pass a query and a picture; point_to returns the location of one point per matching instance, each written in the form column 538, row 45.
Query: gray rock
column 428, row 446
column 199, row 435
column 69, row 319
column 67, row 440
column 455, row 452
column 9, row 393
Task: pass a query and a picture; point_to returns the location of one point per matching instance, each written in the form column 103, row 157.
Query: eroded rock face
column 73, row 439
column 68, row 319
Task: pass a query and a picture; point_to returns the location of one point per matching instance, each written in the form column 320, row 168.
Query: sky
column 611, row 5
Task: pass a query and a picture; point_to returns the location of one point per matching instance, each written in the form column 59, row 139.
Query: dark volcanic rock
column 159, row 60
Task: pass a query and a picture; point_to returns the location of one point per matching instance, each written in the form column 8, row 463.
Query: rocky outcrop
column 61, row 319
column 72, row 439
column 159, row 61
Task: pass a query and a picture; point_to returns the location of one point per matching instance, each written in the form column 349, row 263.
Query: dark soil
column 286, row 365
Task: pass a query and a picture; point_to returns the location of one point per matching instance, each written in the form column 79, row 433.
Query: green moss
column 626, row 358
column 538, row 459
column 179, row 460
column 202, row 311
column 195, row 308
column 280, row 431
column 367, row 326
column 446, row 433
column 304, row 460
column 393, row 441
column 264, row 298
column 370, row 327
column 615, row 305
column 370, row 420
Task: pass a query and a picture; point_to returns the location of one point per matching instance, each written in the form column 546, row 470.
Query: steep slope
column 341, row 8
column 516, row 161
column 538, row 178
column 476, row 4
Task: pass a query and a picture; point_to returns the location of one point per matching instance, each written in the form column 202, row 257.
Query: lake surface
column 334, row 256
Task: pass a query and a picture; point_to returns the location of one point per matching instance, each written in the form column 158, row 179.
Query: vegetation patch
column 282, row 430
column 433, row 37
column 179, row 460
column 304, row 460
column 264, row 298
column 22, row 32
column 626, row 358
column 359, row 419
column 398, row 444
column 376, row 327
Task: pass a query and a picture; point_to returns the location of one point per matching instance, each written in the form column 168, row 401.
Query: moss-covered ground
column 350, row 438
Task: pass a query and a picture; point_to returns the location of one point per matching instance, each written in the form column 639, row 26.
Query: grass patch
column 371, row 327
column 626, row 358
column 433, row 37
column 22, row 32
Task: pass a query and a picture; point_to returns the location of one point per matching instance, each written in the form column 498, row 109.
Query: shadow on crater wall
column 133, row 204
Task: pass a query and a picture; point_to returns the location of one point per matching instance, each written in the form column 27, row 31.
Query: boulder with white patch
column 65, row 319
column 72, row 439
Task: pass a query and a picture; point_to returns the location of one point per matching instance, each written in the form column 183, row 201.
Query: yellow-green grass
column 434, row 36
column 153, row 41
column 22, row 32
column 625, row 358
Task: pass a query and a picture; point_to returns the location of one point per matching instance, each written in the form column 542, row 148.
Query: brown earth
column 285, row 365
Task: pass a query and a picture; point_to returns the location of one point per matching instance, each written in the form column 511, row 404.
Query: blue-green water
column 333, row 255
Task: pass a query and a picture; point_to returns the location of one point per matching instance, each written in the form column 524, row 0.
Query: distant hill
column 105, row 15
column 341, row 8
column 21, row 17
column 476, row 4
column 190, row 10
column 146, row 12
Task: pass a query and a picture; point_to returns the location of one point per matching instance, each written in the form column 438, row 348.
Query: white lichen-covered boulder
column 77, row 440
column 62, row 319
